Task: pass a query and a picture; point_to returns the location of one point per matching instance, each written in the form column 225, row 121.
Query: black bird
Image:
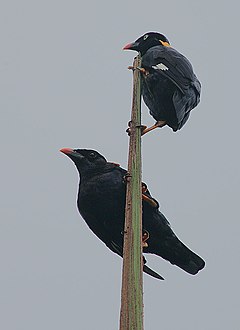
column 101, row 203
column 170, row 88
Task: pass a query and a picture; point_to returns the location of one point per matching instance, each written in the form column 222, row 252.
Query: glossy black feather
column 170, row 88
column 172, row 93
column 101, row 202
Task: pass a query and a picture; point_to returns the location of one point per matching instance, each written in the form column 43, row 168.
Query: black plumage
column 101, row 202
column 170, row 88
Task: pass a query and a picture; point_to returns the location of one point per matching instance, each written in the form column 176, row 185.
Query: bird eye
column 92, row 155
column 145, row 37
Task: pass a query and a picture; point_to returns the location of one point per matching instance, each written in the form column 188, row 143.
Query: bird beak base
column 71, row 153
column 131, row 46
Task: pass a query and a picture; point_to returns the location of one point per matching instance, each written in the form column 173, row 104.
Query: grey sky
column 64, row 83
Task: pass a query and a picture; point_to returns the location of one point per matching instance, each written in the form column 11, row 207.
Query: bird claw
column 128, row 130
column 145, row 237
column 152, row 202
column 147, row 198
column 142, row 70
column 126, row 177
column 142, row 127
column 144, row 187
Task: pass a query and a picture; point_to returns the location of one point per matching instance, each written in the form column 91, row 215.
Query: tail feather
column 194, row 264
column 186, row 259
column 152, row 273
column 180, row 255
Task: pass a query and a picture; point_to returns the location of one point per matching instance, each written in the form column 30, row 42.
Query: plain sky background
column 64, row 83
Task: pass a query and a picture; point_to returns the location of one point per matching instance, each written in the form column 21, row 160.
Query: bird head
column 88, row 162
column 147, row 41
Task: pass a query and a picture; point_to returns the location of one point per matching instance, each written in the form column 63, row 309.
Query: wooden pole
column 131, row 316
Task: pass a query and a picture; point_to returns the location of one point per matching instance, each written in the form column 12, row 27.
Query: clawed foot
column 146, row 197
column 145, row 237
column 126, row 177
column 144, row 187
column 128, row 130
column 142, row 70
column 145, row 129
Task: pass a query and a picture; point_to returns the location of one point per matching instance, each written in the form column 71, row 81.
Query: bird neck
column 149, row 45
column 90, row 173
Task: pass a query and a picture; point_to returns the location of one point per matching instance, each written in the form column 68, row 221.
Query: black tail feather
column 152, row 273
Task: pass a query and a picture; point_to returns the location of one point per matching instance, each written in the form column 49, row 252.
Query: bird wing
column 163, row 242
column 170, row 63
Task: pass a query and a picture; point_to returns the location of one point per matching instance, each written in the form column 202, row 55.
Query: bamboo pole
column 131, row 316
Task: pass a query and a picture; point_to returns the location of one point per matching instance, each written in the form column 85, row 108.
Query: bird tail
column 152, row 273
column 180, row 255
column 117, row 249
column 194, row 264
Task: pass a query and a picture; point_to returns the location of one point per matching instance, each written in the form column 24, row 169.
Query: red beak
column 66, row 150
column 128, row 46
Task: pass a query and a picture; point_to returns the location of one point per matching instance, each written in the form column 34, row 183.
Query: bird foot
column 128, row 130
column 142, row 70
column 142, row 127
column 126, row 177
column 146, row 198
column 150, row 201
column 144, row 187
column 145, row 237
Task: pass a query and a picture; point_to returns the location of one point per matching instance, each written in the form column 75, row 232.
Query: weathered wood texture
column 131, row 316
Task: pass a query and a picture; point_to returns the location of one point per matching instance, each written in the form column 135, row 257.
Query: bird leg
column 145, row 237
column 142, row 70
column 148, row 199
column 159, row 123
